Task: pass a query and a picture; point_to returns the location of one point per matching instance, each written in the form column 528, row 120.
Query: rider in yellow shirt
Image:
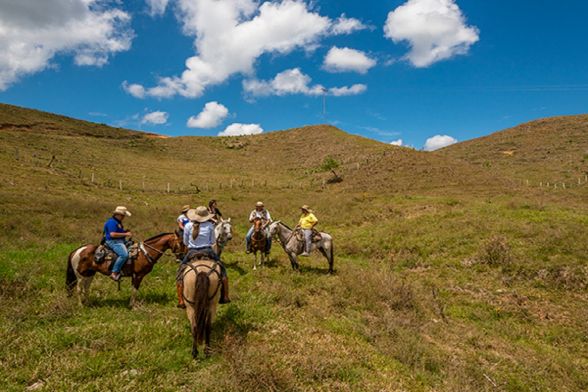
column 307, row 222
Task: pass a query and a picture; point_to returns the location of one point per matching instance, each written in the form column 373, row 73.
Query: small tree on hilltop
column 330, row 164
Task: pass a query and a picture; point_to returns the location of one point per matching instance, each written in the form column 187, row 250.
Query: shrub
column 495, row 251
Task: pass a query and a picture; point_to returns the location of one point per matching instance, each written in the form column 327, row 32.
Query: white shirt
column 264, row 215
column 205, row 236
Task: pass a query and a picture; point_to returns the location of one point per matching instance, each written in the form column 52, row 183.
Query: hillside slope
column 278, row 159
column 548, row 150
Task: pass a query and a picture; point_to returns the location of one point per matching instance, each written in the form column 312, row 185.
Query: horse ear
column 229, row 220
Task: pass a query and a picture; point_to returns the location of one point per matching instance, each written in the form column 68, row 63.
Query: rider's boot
column 224, row 299
column 180, row 291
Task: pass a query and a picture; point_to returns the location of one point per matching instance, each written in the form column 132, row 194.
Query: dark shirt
column 216, row 212
column 113, row 225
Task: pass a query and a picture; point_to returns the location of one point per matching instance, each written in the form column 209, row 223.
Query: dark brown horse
column 81, row 266
column 259, row 242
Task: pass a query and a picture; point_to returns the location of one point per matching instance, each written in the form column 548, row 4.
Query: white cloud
column 294, row 81
column 398, row 142
column 157, row 7
column 136, row 90
column 290, row 81
column 237, row 129
column 345, row 25
column 32, row 32
column 230, row 35
column 348, row 90
column 439, row 141
column 435, row 30
column 346, row 59
column 157, row 118
column 212, row 115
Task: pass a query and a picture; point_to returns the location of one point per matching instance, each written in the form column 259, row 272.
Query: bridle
column 149, row 258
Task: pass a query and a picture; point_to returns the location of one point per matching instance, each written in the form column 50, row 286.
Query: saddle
column 199, row 256
column 104, row 254
column 316, row 236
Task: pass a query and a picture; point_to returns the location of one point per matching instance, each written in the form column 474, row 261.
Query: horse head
column 224, row 230
column 257, row 224
column 176, row 244
column 273, row 227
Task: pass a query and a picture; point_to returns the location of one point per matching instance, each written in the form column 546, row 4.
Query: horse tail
column 202, row 306
column 70, row 276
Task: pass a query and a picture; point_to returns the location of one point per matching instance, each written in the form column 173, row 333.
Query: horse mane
column 285, row 225
column 156, row 236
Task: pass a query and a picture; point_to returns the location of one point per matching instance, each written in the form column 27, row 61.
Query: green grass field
column 464, row 282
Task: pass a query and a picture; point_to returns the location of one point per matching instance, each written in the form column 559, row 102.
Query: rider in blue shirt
column 115, row 235
column 201, row 241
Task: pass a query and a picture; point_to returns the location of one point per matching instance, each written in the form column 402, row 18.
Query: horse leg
column 255, row 261
column 85, row 282
column 192, row 318
column 136, row 282
column 294, row 261
column 329, row 258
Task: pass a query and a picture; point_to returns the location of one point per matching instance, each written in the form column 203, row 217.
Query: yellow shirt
column 307, row 221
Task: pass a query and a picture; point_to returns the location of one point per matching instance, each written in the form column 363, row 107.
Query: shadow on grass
column 236, row 267
column 232, row 322
column 145, row 298
column 316, row 270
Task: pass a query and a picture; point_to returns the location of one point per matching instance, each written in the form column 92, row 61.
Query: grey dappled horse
column 294, row 247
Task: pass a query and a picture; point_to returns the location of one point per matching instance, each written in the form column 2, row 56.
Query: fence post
column 92, row 178
column 16, row 153
column 120, row 184
column 168, row 187
column 563, row 185
column 143, row 183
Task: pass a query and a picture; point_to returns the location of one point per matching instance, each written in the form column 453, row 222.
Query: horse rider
column 115, row 235
column 199, row 238
column 213, row 209
column 262, row 213
column 307, row 223
column 183, row 219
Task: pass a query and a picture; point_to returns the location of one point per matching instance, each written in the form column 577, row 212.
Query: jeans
column 118, row 246
column 250, row 234
column 307, row 239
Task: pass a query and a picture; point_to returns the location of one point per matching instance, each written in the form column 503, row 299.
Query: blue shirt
column 183, row 219
column 205, row 236
column 113, row 225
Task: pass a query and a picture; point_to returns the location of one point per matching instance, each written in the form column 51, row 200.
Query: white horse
column 294, row 247
column 223, row 232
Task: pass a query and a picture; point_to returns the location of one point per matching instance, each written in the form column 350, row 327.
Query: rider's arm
column 187, row 233
column 114, row 234
column 252, row 217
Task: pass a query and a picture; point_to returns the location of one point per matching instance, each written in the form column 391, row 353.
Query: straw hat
column 185, row 208
column 200, row 214
column 259, row 204
column 306, row 208
column 120, row 210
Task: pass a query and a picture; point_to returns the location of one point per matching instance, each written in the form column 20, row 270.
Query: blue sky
column 441, row 67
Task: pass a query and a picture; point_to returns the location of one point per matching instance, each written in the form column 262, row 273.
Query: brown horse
column 259, row 242
column 81, row 266
column 202, row 281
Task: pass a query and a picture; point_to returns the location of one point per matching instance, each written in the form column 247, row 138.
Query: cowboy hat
column 120, row 210
column 305, row 208
column 199, row 214
column 185, row 208
column 259, row 204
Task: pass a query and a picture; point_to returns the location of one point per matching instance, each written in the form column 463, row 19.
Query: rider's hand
column 129, row 234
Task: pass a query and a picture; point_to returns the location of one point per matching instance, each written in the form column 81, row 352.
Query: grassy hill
column 450, row 275
column 553, row 150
